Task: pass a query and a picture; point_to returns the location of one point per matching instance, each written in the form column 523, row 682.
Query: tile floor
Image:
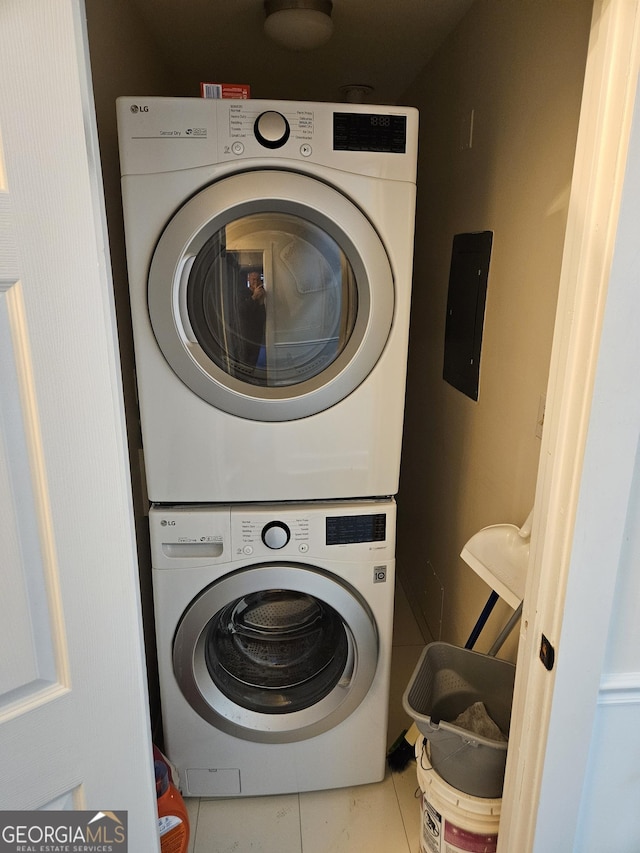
column 380, row 818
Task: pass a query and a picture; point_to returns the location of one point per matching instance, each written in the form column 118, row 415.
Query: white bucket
column 452, row 821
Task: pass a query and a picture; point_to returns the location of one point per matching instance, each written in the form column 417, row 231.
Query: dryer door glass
column 277, row 651
column 272, row 299
column 271, row 295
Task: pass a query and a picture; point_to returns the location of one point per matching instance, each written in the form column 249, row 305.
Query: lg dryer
column 274, row 628
column 269, row 249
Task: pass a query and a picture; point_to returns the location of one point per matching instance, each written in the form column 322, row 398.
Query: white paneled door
column 74, row 729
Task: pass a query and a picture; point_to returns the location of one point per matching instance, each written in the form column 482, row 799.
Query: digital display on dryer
column 348, row 529
column 370, row 132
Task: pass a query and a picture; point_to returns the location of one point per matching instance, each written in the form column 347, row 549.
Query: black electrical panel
column 466, row 299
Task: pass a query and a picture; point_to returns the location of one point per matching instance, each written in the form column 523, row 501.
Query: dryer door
column 271, row 295
column 276, row 653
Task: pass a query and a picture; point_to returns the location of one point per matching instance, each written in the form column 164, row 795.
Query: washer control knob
column 271, row 129
column 275, row 535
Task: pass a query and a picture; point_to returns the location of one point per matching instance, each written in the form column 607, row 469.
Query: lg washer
column 269, row 249
column 274, row 628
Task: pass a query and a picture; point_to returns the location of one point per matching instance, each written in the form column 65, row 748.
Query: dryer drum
column 276, row 651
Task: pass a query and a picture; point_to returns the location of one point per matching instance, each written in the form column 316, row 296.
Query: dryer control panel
column 173, row 134
column 370, row 132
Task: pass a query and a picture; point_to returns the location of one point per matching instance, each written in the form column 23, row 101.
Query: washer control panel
column 276, row 535
column 192, row 535
column 340, row 529
column 270, row 529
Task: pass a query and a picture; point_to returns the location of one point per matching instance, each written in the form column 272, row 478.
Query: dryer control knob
column 275, row 535
column 271, row 129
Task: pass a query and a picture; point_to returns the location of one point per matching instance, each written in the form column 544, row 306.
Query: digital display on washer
column 369, row 132
column 347, row 529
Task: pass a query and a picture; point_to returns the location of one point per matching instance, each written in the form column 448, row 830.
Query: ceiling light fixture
column 299, row 24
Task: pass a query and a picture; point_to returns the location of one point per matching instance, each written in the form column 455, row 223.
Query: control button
column 271, row 129
column 303, row 547
column 237, row 148
column 306, row 150
column 275, row 535
column 248, row 550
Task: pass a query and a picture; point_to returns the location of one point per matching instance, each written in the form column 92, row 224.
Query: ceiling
column 381, row 44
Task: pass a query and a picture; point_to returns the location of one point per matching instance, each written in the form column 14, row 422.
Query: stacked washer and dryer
column 269, row 249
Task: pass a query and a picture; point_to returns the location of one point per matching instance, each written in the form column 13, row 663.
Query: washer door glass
column 276, row 652
column 271, row 295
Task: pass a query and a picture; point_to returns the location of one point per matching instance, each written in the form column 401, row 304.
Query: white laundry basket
column 452, row 821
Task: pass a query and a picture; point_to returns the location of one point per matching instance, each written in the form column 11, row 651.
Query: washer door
column 276, row 653
column 271, row 295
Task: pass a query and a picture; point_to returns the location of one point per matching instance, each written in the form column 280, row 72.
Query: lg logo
column 139, row 109
column 166, row 523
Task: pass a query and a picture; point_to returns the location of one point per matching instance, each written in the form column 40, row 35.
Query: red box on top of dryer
column 239, row 91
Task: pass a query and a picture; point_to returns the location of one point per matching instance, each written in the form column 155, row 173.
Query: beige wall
column 519, row 67
column 124, row 61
